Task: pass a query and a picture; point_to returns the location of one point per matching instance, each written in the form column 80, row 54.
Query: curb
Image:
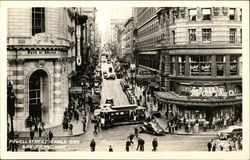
column 195, row 134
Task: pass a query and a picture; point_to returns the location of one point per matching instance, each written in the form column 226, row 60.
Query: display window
column 220, row 65
column 200, row 65
column 181, row 63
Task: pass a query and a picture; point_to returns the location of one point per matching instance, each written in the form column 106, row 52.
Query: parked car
column 230, row 132
column 94, row 102
column 124, row 85
column 109, row 101
column 119, row 75
column 97, row 83
column 151, row 128
column 97, row 91
column 111, row 76
column 105, row 74
column 110, row 69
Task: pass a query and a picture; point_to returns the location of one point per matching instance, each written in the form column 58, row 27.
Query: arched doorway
column 39, row 96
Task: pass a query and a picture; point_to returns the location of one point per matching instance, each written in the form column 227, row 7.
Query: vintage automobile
column 109, row 101
column 105, row 74
column 230, row 132
column 124, row 85
column 94, row 102
column 111, row 76
column 97, row 91
column 151, row 128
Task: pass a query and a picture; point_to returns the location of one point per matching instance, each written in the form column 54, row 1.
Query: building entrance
column 39, row 96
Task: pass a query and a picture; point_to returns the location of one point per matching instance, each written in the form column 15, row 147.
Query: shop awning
column 170, row 97
column 75, row 90
column 148, row 52
column 143, row 77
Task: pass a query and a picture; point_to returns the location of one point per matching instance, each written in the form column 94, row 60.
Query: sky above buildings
column 104, row 15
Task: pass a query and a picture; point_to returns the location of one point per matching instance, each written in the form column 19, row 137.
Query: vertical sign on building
column 78, row 35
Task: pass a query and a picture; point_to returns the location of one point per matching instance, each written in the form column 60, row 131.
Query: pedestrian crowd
column 230, row 144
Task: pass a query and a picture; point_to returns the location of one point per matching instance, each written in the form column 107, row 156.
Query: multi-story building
column 128, row 37
column 115, row 25
column 150, row 28
column 90, row 25
column 41, row 60
column 203, row 63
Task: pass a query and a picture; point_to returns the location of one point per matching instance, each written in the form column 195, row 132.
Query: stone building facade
column 204, row 63
column 41, row 62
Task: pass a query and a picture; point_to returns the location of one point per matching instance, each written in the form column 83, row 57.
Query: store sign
column 210, row 92
column 41, row 52
column 78, row 35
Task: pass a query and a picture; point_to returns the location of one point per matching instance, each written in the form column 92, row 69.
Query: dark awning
column 185, row 101
column 75, row 90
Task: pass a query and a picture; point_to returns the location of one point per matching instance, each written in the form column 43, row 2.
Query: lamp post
column 132, row 69
column 132, row 78
column 11, row 107
column 83, row 84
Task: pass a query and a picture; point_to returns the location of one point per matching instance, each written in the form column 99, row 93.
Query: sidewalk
column 58, row 130
column 162, row 121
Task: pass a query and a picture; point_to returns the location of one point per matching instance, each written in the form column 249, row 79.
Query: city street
column 173, row 73
column 117, row 136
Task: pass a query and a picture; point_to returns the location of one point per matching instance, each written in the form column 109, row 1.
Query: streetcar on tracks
column 122, row 115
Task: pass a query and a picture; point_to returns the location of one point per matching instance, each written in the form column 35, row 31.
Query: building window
column 192, row 35
column 240, row 66
column 233, row 65
column 240, row 14
column 206, row 12
column 38, row 20
column 181, row 63
column 232, row 14
column 206, row 35
column 220, row 65
column 232, row 34
column 200, row 65
column 240, row 35
column 172, row 66
column 192, row 14
column 173, row 36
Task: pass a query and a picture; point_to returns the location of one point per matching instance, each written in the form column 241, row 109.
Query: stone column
column 18, row 86
column 58, row 107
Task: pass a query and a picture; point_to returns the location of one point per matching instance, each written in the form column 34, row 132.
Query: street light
column 11, row 107
column 132, row 69
column 83, row 84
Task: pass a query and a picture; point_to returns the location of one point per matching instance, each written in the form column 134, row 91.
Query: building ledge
column 186, row 101
column 195, row 78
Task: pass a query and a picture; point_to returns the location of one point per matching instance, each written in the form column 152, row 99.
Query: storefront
column 203, row 102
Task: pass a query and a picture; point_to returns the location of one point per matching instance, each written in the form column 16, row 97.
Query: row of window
column 151, row 61
column 206, row 14
column 207, row 35
column 154, row 27
column 202, row 65
column 148, row 13
column 151, row 42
